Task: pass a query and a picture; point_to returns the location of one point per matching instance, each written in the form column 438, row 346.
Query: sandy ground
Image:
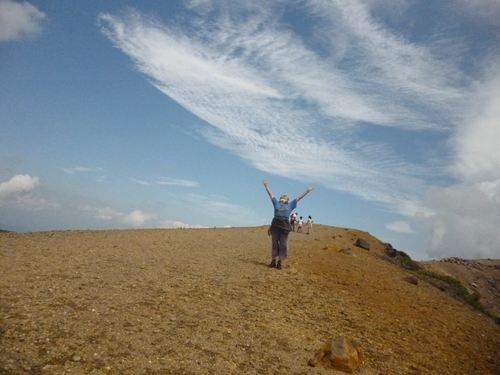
column 203, row 301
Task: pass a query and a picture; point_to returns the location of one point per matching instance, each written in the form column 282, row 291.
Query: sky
column 132, row 114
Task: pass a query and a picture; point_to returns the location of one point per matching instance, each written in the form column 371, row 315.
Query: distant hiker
column 292, row 221
column 299, row 225
column 280, row 226
column 309, row 224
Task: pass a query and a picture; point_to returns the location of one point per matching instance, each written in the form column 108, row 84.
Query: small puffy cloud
column 18, row 20
column 400, row 227
column 19, row 184
column 137, row 218
column 18, row 193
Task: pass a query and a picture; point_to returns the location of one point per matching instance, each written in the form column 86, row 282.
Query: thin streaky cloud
column 400, row 227
column 79, row 169
column 176, row 182
column 387, row 66
column 140, row 182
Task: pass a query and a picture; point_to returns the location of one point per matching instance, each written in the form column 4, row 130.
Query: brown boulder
column 339, row 354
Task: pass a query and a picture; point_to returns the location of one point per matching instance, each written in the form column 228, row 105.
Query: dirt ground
column 203, row 301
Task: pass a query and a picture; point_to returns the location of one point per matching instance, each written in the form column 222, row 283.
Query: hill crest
column 204, row 301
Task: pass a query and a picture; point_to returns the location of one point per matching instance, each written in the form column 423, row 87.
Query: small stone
column 411, row 279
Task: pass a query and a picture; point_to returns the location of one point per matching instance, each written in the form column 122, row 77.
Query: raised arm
column 267, row 189
column 305, row 193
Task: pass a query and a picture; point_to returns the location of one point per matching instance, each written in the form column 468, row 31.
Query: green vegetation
column 455, row 287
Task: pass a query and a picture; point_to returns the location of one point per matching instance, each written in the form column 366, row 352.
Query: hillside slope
column 198, row 301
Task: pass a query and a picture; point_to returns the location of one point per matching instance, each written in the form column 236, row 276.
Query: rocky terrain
column 480, row 276
column 203, row 301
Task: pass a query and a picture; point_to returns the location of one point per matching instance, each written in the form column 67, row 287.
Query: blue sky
column 132, row 114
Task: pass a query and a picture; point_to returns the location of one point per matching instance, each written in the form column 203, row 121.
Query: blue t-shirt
column 283, row 210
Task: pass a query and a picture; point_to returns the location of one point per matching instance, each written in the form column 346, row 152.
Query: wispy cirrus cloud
column 243, row 75
column 356, row 100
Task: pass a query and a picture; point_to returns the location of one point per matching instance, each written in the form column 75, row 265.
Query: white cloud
column 18, row 192
column 467, row 213
column 18, row 20
column 466, row 222
column 476, row 142
column 137, row 218
column 400, row 227
column 19, row 184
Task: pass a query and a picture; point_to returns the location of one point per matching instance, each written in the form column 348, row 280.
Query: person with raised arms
column 280, row 225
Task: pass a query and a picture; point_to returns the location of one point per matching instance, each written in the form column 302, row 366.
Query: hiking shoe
column 272, row 264
column 278, row 265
